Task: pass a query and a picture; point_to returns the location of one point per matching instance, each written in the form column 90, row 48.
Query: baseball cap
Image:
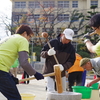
column 69, row 33
column 84, row 61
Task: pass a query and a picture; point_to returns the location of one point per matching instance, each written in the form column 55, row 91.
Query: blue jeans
column 8, row 87
column 83, row 78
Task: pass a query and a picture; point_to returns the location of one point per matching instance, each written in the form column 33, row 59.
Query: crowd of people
column 16, row 48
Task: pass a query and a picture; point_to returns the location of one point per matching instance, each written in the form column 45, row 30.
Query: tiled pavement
column 34, row 87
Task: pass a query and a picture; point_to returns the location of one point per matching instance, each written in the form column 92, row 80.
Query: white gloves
column 60, row 66
column 51, row 52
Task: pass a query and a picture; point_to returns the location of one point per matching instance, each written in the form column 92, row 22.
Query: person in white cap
column 65, row 53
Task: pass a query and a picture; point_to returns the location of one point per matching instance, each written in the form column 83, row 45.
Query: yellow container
column 27, row 96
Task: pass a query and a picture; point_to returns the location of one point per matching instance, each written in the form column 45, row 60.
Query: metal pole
column 32, row 52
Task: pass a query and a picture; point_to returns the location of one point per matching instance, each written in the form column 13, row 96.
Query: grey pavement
column 35, row 87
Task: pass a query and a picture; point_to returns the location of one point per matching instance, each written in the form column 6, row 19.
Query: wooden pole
column 31, row 78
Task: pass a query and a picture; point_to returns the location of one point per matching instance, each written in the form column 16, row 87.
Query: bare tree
column 46, row 19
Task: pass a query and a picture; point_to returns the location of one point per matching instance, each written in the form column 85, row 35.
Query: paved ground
column 35, row 87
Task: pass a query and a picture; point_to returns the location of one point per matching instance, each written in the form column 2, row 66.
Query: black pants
column 8, row 87
column 75, row 77
column 26, row 76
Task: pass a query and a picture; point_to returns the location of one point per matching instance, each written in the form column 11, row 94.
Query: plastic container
column 95, row 86
column 85, row 91
column 27, row 96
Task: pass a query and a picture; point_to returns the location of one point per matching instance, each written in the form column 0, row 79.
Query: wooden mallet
column 92, row 33
column 56, row 73
column 45, row 35
column 58, row 82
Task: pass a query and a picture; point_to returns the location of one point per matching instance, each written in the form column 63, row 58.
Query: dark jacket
column 65, row 54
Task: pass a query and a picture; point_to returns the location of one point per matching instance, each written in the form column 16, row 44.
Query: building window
column 63, row 4
column 47, row 4
column 94, row 3
column 30, row 18
column 36, row 17
column 45, row 29
column 59, row 30
column 35, row 30
column 74, row 4
column 63, row 17
column 17, row 17
column 33, row 17
column 34, row 4
column 75, row 18
column 20, row 4
column 48, row 18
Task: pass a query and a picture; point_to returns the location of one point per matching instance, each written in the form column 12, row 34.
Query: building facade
column 52, row 16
